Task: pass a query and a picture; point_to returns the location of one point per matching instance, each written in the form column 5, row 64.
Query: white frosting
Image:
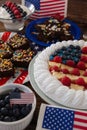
column 52, row 87
column 4, row 13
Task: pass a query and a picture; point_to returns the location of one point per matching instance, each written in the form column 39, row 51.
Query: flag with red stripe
column 45, row 8
column 21, row 98
column 60, row 118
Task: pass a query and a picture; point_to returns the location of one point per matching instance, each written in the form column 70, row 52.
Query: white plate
column 35, row 86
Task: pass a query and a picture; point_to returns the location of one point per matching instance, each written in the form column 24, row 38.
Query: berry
column 66, row 81
column 54, row 68
column 65, row 71
column 7, row 119
column 25, row 111
column 80, row 81
column 4, row 111
column 8, row 3
column 18, row 16
column 81, row 65
column 84, row 50
column 70, row 63
column 12, row 5
column 57, row 59
column 16, row 12
column 75, row 71
column 85, row 73
column 84, row 59
column 14, row 8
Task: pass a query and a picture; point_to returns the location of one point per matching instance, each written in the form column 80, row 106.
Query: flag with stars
column 45, row 8
column 60, row 118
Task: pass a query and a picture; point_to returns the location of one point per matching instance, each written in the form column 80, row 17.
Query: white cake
column 51, row 86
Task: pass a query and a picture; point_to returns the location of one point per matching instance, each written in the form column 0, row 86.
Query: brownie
column 53, row 30
column 6, row 68
column 18, row 42
column 5, row 51
column 21, row 58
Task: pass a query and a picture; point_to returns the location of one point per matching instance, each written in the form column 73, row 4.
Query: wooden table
column 33, row 123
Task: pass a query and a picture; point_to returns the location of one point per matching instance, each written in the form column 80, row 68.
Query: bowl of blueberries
column 13, row 15
column 17, row 106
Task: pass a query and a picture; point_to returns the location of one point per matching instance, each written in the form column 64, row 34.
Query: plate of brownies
column 46, row 31
column 15, row 55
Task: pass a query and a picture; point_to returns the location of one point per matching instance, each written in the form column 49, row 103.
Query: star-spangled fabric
column 60, row 118
column 45, row 8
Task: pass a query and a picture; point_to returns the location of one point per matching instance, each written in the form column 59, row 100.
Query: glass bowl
column 18, row 24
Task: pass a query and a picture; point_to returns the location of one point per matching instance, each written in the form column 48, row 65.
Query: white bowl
column 24, row 122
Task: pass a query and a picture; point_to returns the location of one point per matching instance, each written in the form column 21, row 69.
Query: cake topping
column 72, row 64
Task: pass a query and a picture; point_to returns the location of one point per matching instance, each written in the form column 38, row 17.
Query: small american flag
column 21, row 98
column 58, row 118
column 45, row 8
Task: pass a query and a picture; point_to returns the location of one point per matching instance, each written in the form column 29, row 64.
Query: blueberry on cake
column 22, row 58
column 5, row 51
column 60, row 71
column 53, row 29
column 6, row 68
column 18, row 42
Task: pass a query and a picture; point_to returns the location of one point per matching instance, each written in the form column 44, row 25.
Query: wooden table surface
column 33, row 123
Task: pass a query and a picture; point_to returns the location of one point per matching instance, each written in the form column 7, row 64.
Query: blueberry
column 71, row 46
column 64, row 57
column 2, row 103
column 68, row 57
column 25, row 111
column 13, row 118
column 7, row 99
column 3, row 5
column 16, row 112
column 24, row 14
column 7, row 119
column 64, row 61
column 4, row 111
column 78, row 47
column 7, row 106
column 69, row 49
column 51, row 57
column 63, row 48
column 10, row 112
column 29, row 106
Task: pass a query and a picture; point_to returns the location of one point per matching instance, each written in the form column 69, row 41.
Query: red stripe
column 5, row 36
column 4, row 80
column 51, row 1
column 81, row 120
column 80, row 113
column 80, row 127
column 52, row 4
column 21, row 77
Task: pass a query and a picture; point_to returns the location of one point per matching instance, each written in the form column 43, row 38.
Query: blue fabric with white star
column 58, row 119
column 36, row 3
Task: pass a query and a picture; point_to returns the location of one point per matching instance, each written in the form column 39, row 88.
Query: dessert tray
column 21, row 74
column 74, row 29
column 51, row 87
